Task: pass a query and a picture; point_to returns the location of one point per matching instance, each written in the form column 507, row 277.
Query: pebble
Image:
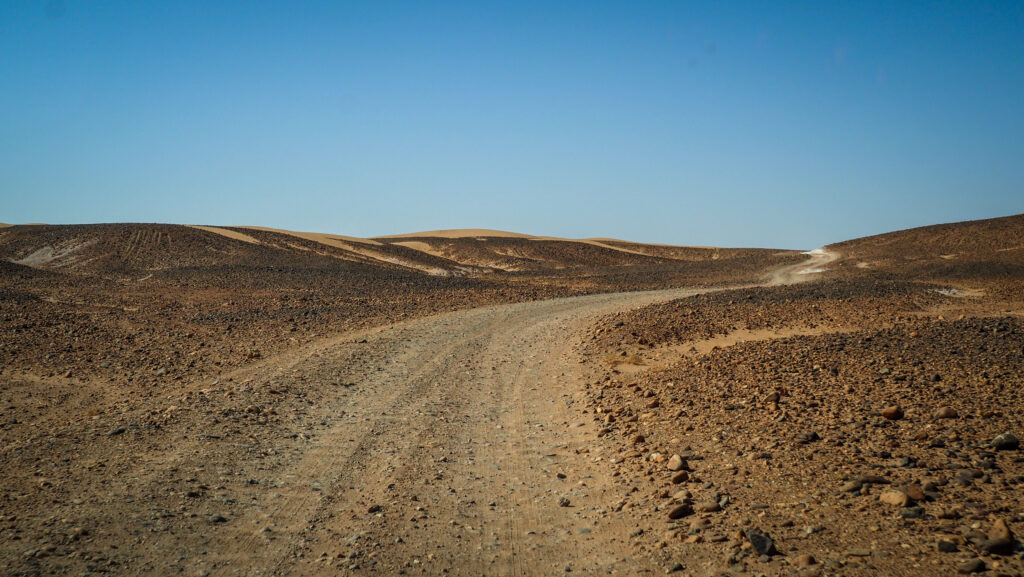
column 911, row 513
column 218, row 519
column 674, row 568
column 1006, row 442
column 804, row 560
column 945, row 413
column 998, row 546
column 807, row 437
column 760, row 541
column 680, row 511
column 677, row 463
column 680, row 477
column 946, row 547
column 893, row 413
column 894, row 497
column 972, row 566
column 1000, row 530
column 851, row 486
column 707, row 507
column 563, row 502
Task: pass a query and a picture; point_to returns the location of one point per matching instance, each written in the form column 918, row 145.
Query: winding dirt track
column 445, row 456
column 451, row 454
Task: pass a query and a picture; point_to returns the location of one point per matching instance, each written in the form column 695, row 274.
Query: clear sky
column 773, row 124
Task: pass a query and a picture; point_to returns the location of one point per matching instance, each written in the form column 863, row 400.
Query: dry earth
column 211, row 401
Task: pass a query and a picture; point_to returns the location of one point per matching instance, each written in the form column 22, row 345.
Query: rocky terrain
column 245, row 401
column 866, row 422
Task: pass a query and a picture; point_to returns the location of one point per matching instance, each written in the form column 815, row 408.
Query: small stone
column 761, row 542
column 218, row 519
column 374, row 509
column 680, row 477
column 680, row 511
column 851, row 486
column 807, row 437
column 915, row 492
column 673, row 568
column 873, row 479
column 893, row 413
column 945, row 413
column 972, row 566
column 894, row 497
column 911, row 513
column 946, row 547
column 998, row 546
column 560, row 475
column 677, row 463
column 707, row 507
column 1000, row 530
column 117, row 431
column 563, row 502
column 804, row 560
column 1006, row 442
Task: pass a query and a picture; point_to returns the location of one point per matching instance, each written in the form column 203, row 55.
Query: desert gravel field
column 182, row 400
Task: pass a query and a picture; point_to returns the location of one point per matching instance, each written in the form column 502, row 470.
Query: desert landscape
column 203, row 400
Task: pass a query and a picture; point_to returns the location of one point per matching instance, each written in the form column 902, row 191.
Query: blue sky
column 733, row 124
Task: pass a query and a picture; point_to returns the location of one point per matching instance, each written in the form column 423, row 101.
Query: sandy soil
column 438, row 445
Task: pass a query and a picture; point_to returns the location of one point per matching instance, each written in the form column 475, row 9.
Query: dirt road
column 454, row 452
column 455, row 444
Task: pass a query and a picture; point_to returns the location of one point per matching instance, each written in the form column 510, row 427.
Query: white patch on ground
column 61, row 255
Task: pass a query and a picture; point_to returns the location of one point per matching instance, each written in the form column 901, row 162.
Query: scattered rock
column 1000, row 530
column 674, row 567
column 707, row 507
column 911, row 513
column 895, row 498
column 804, row 560
column 1006, row 442
column 677, row 463
column 998, row 546
column 972, row 566
column 893, row 413
column 680, row 511
column 945, row 413
column 761, row 542
column 680, row 477
column 946, row 547
column 807, row 437
column 563, row 502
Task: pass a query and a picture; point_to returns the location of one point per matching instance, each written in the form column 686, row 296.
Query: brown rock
column 804, row 560
column 680, row 511
column 945, row 413
column 894, row 497
column 677, row 463
column 706, row 507
column 1000, row 530
column 972, row 566
column 893, row 413
column 680, row 477
column 915, row 492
